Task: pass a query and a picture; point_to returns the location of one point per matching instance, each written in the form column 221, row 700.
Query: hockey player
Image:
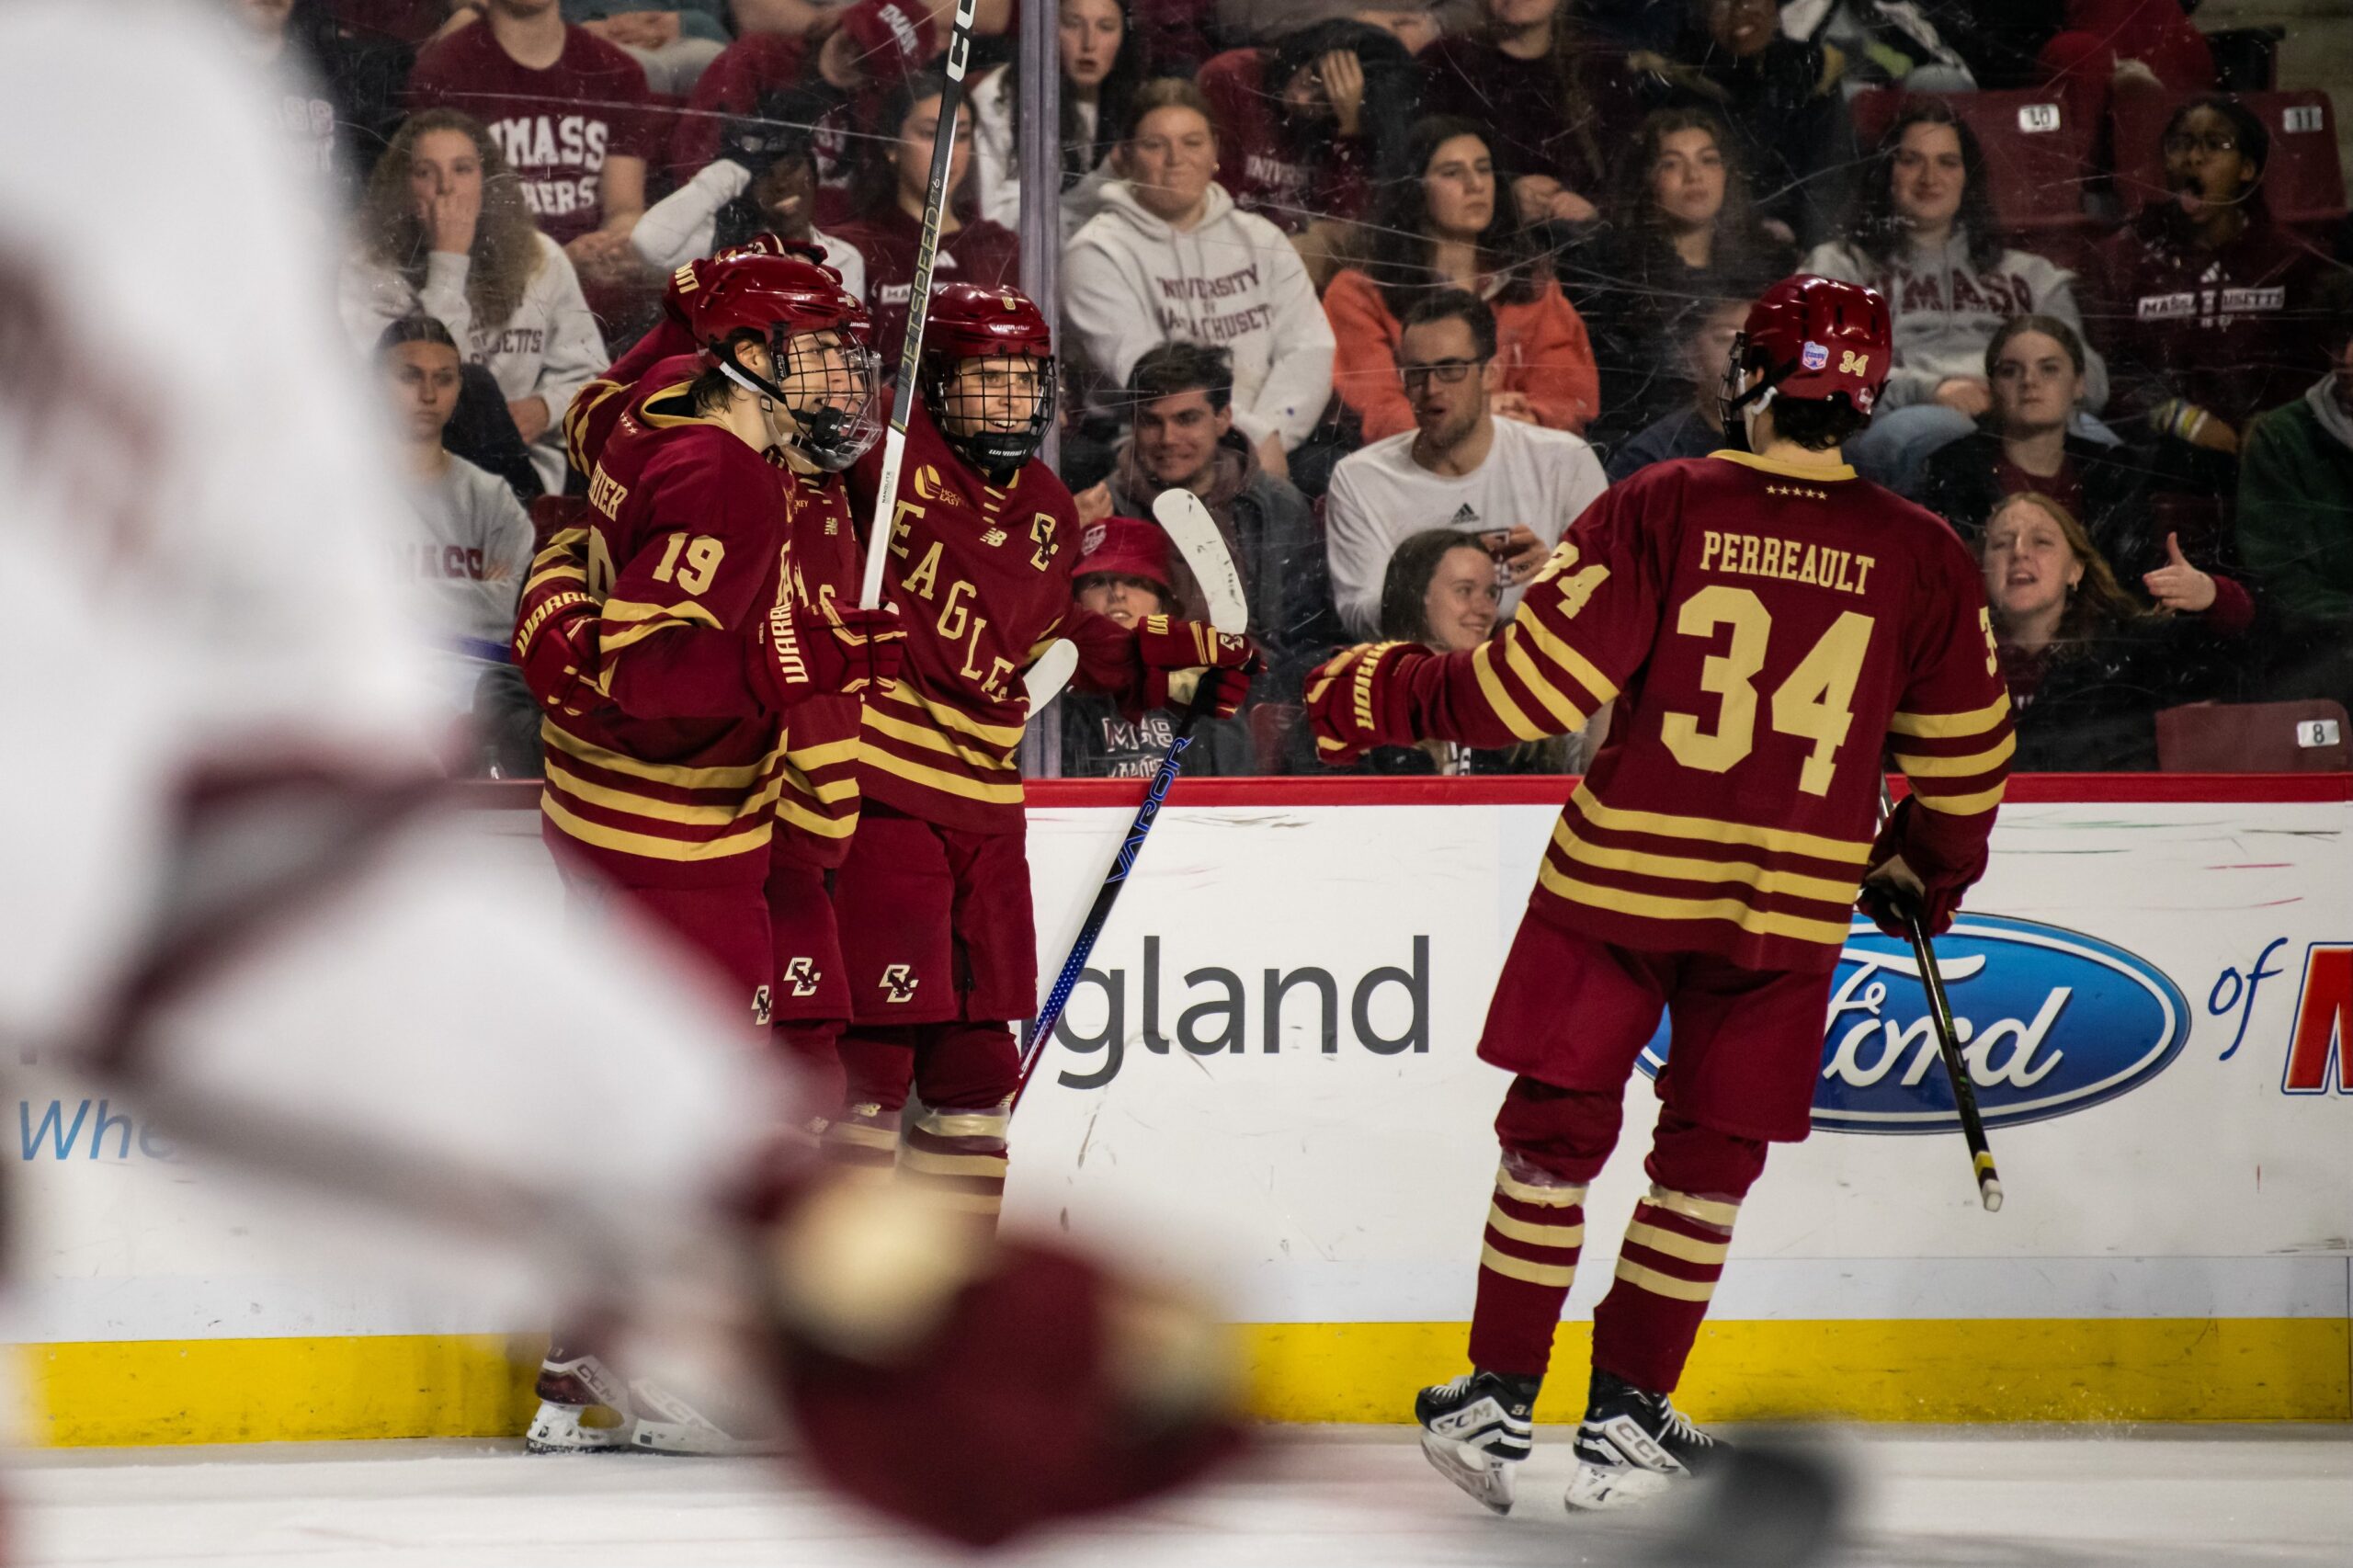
column 668, row 771
column 244, row 918
column 1764, row 622
column 933, row 901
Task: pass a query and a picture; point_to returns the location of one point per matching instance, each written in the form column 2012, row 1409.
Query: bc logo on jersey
column 898, row 984
column 762, row 1008
column 2052, row 1022
column 801, row 975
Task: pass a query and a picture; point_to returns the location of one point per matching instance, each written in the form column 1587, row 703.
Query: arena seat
column 2303, row 184
column 2036, row 163
column 2254, row 737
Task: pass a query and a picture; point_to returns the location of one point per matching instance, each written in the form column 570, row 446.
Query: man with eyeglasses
column 1514, row 486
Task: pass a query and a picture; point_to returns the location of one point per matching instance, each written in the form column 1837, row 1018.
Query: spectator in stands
column 814, row 19
column 1884, row 43
column 1510, row 486
column 1122, row 573
column 471, row 552
column 1303, row 126
column 1447, row 225
column 1171, row 259
column 443, row 232
column 1416, row 23
column 764, row 180
column 2203, row 290
column 568, row 111
column 2132, row 44
column 671, row 43
column 1778, row 96
column 1551, row 100
column 1680, row 227
column 890, row 210
column 1702, row 333
column 1923, row 234
column 2087, row 668
column 1102, row 64
column 1182, row 397
column 2295, row 513
column 342, row 94
column 831, row 80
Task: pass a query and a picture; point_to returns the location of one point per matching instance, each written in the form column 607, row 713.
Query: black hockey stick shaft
column 1964, row 1089
column 903, row 396
column 1041, row 1031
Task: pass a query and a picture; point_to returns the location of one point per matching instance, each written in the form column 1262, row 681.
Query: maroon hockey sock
column 1529, row 1259
column 1674, row 1252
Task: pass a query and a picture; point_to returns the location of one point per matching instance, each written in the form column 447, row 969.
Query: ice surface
column 2213, row 1497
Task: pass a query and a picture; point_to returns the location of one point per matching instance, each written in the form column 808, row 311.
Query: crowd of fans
column 1397, row 286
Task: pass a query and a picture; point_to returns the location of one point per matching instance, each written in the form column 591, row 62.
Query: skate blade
column 1487, row 1479
column 577, row 1429
column 1596, row 1489
column 681, row 1440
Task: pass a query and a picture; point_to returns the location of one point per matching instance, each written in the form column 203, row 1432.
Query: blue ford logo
column 2052, row 1021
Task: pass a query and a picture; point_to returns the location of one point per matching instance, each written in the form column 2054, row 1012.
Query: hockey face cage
column 829, row 381
column 1809, row 337
column 993, row 410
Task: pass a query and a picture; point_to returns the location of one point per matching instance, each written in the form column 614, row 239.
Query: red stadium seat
column 2254, row 737
column 2036, row 163
column 2304, row 183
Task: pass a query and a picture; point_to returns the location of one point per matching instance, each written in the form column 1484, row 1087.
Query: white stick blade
column 1191, row 528
column 1045, row 678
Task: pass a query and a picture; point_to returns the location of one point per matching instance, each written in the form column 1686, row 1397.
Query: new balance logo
column 801, row 975
column 899, row 983
column 762, row 1008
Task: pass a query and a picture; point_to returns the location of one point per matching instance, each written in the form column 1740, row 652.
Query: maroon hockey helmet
column 1812, row 337
column 831, row 389
column 983, row 415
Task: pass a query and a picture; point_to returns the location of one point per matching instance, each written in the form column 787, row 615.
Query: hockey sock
column 1674, row 1252
column 1529, row 1259
column 811, row 1046
column 862, row 1138
column 958, row 1157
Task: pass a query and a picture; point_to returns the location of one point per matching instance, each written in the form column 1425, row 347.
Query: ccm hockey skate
column 1475, row 1429
column 1632, row 1445
column 584, row 1407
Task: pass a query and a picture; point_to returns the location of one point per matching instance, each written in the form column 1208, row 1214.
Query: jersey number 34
column 1813, row 703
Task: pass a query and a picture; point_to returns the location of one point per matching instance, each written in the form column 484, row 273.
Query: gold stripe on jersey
column 1961, row 805
column 1786, row 470
column 584, row 402
column 1490, row 688
column 946, row 783
column 1566, row 715
column 792, row 811
column 1710, row 830
column 811, row 759
column 732, row 777
column 645, row 805
column 754, row 835
column 1654, row 906
column 1575, row 665
column 1004, row 737
column 936, row 738
column 1947, row 726
column 1681, row 869
column 631, row 610
column 1959, row 766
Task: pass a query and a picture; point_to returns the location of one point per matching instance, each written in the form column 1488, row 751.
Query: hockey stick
column 903, row 397
column 1195, row 534
column 1965, row 1091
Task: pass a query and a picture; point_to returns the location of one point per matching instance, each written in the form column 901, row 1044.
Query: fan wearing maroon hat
column 1777, row 624
column 1123, row 572
column 697, row 685
column 934, row 901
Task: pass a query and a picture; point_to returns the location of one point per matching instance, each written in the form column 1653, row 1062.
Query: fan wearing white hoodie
column 1170, row 258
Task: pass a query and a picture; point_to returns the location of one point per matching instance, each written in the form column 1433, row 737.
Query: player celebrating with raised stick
column 934, row 901
column 1766, row 621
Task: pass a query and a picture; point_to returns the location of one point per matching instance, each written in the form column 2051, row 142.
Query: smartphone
column 1497, row 544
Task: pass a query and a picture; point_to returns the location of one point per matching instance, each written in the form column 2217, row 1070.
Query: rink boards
column 1268, row 1087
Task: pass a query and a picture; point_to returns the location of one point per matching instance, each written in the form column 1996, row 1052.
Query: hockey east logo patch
column 2052, row 1022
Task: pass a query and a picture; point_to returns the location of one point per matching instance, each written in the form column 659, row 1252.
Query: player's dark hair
column 1879, row 232
column 1166, row 92
column 2246, row 128
column 1178, row 366
column 417, row 328
column 1456, row 304
column 1817, row 424
column 711, row 391
column 2050, row 327
column 1405, row 584
column 1080, row 152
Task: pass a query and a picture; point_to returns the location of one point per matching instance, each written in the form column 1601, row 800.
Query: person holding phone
column 1511, row 487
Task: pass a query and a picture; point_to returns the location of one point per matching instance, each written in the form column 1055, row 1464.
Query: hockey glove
column 1357, row 701
column 979, row 1389
column 1167, row 646
column 1905, row 838
column 852, row 652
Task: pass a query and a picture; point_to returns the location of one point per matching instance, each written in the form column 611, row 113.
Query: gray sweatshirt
column 1946, row 311
column 1131, row 282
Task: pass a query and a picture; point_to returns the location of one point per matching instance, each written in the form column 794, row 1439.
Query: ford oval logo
column 2052, row 1021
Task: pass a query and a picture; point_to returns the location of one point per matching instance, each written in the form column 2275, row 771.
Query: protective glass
column 831, row 387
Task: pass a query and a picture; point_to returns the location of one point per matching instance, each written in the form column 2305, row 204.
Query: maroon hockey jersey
column 981, row 578
column 981, row 252
column 1766, row 630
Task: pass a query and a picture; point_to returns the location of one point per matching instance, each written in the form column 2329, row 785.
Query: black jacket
column 1958, row 483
